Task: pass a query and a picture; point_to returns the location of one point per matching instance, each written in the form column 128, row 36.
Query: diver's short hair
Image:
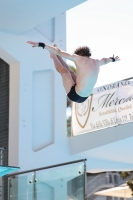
column 83, row 51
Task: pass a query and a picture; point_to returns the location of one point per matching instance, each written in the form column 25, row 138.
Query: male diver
column 78, row 86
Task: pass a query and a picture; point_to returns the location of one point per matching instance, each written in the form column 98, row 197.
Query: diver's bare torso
column 87, row 74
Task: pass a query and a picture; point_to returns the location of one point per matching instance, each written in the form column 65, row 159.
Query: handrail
column 48, row 167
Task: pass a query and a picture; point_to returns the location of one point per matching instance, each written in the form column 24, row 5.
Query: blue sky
column 106, row 26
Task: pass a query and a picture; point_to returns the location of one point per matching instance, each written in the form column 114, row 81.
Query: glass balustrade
column 65, row 182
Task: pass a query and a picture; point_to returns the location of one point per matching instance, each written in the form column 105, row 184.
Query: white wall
column 17, row 17
column 35, row 65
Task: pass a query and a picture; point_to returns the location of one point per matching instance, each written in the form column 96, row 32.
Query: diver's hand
column 34, row 44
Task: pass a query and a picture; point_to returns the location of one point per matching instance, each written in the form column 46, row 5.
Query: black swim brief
column 73, row 96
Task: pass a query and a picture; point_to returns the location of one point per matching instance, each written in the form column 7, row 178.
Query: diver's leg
column 67, row 79
column 73, row 74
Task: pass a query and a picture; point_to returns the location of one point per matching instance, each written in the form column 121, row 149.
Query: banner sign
column 109, row 105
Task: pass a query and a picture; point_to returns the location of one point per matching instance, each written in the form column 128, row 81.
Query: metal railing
column 47, row 167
